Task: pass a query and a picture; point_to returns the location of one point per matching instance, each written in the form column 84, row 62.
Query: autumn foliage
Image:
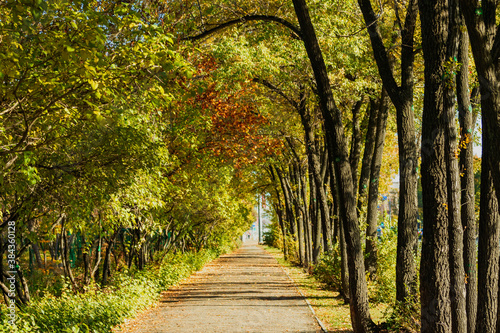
column 238, row 132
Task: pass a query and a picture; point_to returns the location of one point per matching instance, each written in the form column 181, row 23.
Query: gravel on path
column 245, row 291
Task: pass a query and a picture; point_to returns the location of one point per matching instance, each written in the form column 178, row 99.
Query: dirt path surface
column 245, row 291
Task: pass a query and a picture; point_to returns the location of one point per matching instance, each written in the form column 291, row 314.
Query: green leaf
column 93, row 84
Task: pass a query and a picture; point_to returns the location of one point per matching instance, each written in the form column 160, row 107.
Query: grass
column 327, row 304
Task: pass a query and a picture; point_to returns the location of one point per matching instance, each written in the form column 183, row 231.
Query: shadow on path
column 245, row 291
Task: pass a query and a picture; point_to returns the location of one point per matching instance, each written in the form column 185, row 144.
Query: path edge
column 320, row 323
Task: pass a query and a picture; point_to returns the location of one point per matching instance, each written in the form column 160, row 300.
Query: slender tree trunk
column 313, row 155
column 360, row 313
column 315, row 219
column 307, row 222
column 488, row 249
column 106, row 271
column 287, row 195
column 64, row 258
column 367, row 155
column 355, row 153
column 299, row 213
column 344, row 269
column 371, row 217
column 283, row 233
column 38, row 258
column 402, row 98
column 279, row 211
column 457, row 271
column 467, row 124
column 484, row 33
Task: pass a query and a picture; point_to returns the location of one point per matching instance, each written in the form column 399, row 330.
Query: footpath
column 245, row 291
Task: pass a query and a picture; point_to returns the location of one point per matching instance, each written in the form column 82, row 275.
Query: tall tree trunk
column 315, row 218
column 288, row 201
column 366, row 163
column 371, row 217
column 344, row 269
column 457, row 271
column 279, row 210
column 283, row 233
column 313, row 154
column 360, row 313
column 402, row 98
column 64, row 258
column 488, row 249
column 106, row 270
column 38, row 258
column 468, row 216
column 299, row 212
column 435, row 268
column 307, row 222
column 481, row 21
column 355, row 153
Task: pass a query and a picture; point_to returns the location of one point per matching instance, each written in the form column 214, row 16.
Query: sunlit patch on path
column 245, row 291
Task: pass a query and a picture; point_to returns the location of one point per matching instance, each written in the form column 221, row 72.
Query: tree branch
column 247, row 18
column 379, row 51
column 276, row 90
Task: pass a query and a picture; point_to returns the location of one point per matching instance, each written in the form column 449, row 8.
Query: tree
column 402, row 98
column 360, row 315
column 442, row 286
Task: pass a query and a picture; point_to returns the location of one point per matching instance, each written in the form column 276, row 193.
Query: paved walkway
column 246, row 291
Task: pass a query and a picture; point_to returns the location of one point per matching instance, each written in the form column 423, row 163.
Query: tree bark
column 106, row 271
column 313, row 155
column 371, row 217
column 488, row 249
column 315, row 217
column 484, row 34
column 434, row 272
column 38, row 258
column 360, row 313
column 307, row 222
column 344, row 269
column 299, row 212
column 64, row 258
column 279, row 211
column 468, row 216
column 288, row 201
column 355, row 153
column 457, row 271
column 402, row 98
column 366, row 163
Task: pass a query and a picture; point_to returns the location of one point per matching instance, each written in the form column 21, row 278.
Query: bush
column 404, row 317
column 273, row 237
column 100, row 310
column 383, row 289
column 328, row 269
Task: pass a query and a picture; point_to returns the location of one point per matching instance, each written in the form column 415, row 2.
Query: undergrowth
column 99, row 310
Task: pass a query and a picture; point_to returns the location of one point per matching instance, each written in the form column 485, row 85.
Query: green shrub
column 273, row 237
column 402, row 317
column 328, row 269
column 383, row 289
column 98, row 310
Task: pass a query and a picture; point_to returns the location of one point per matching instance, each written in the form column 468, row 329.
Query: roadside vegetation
column 134, row 130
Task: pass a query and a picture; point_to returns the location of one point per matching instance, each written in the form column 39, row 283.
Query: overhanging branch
column 248, row 18
column 276, row 90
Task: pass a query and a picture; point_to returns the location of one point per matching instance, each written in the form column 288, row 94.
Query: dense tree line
column 112, row 156
column 144, row 127
column 314, row 186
